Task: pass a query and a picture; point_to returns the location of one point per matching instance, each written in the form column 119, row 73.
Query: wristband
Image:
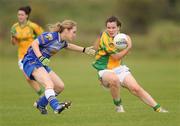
column 84, row 49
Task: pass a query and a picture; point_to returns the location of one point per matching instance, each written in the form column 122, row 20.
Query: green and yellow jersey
column 25, row 35
column 103, row 58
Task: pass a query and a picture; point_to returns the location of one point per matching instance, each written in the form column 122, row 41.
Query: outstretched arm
column 75, row 47
column 87, row 50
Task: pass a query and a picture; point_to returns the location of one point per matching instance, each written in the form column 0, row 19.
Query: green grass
column 92, row 105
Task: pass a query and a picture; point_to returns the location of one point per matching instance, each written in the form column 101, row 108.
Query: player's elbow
column 13, row 41
column 35, row 44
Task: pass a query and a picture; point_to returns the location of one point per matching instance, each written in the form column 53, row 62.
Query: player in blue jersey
column 36, row 62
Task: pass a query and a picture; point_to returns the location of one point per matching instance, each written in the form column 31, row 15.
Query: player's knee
column 59, row 88
column 136, row 90
column 28, row 79
column 114, row 82
column 48, row 84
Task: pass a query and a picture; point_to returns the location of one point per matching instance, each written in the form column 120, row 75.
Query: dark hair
column 26, row 9
column 113, row 19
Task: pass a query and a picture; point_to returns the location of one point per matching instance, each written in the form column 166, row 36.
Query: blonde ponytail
column 59, row 27
column 54, row 27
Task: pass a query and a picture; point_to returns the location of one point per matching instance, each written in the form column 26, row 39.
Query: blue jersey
column 49, row 44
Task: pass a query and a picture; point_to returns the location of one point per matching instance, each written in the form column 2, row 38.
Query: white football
column 120, row 41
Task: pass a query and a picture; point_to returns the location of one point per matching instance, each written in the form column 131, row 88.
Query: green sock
column 156, row 107
column 117, row 102
column 41, row 91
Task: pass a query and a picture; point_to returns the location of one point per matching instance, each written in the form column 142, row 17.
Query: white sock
column 49, row 93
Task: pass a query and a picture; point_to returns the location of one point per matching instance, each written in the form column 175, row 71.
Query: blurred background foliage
column 154, row 25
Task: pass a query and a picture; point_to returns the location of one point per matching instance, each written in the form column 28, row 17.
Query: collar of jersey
column 24, row 25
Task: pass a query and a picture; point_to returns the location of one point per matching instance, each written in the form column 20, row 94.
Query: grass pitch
column 91, row 104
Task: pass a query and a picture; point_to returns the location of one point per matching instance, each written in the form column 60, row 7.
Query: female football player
column 112, row 73
column 22, row 35
column 36, row 61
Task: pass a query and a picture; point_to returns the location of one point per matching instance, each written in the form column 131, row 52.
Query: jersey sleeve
column 37, row 29
column 45, row 38
column 13, row 31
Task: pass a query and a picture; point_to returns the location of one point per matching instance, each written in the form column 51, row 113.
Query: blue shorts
column 29, row 64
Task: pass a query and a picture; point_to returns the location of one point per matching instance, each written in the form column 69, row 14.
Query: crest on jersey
column 111, row 45
column 49, row 36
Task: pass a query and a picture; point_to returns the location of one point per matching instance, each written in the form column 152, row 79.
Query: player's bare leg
column 111, row 81
column 131, row 84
